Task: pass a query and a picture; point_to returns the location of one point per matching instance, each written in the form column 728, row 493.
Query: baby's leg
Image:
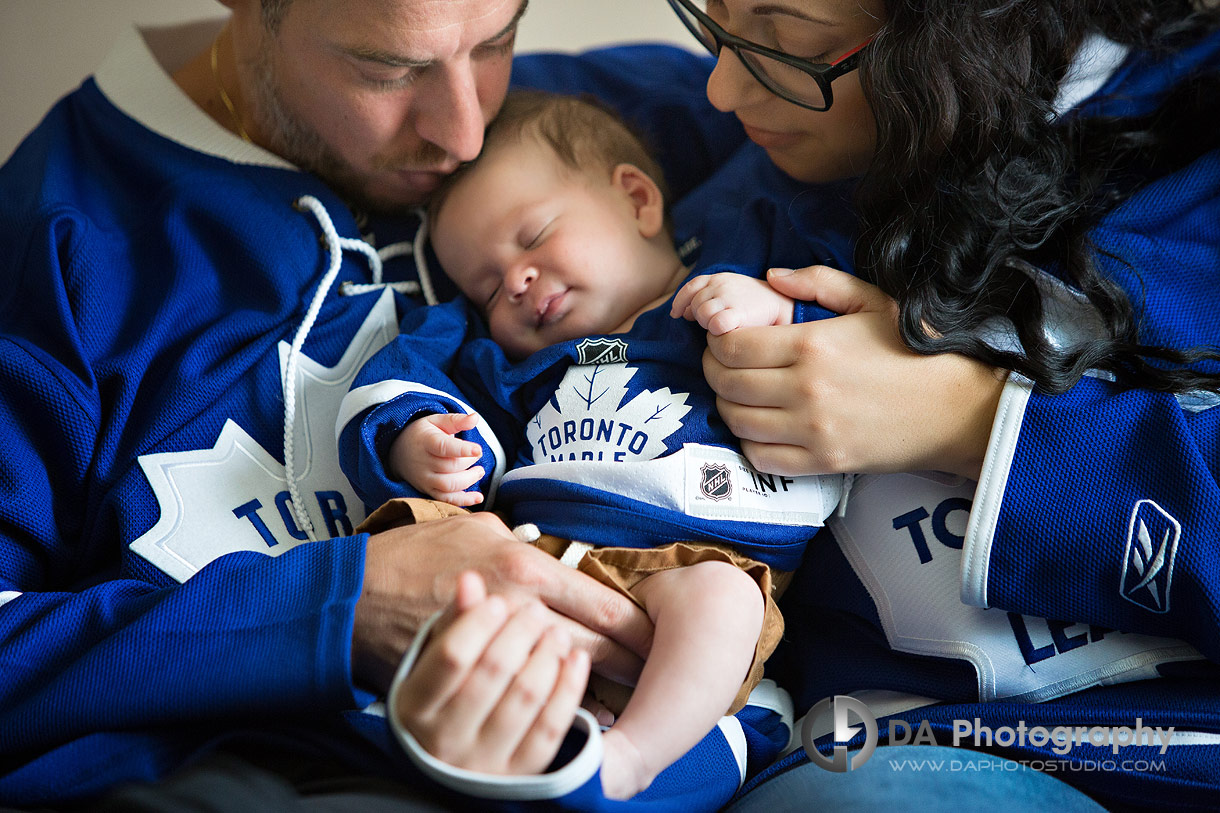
column 708, row 617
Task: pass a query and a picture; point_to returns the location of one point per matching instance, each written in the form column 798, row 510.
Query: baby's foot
column 623, row 772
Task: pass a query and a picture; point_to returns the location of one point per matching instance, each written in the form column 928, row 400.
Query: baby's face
column 545, row 252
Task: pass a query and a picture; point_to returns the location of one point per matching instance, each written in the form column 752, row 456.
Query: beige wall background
column 48, row 46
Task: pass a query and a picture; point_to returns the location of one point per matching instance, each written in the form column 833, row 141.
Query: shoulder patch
column 1152, row 542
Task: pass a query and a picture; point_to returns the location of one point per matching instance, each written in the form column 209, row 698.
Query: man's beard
column 297, row 141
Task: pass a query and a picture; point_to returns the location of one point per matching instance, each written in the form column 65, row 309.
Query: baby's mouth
column 549, row 308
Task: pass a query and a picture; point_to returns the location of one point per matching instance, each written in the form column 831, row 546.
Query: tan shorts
column 622, row 569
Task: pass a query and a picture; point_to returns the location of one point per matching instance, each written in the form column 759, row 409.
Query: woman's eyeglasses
column 796, row 80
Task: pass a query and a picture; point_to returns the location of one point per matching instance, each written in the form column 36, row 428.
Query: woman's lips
column 770, row 139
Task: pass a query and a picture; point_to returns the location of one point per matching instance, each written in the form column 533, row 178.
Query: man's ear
column 645, row 197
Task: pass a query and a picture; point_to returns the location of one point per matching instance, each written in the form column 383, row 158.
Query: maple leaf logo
column 587, row 418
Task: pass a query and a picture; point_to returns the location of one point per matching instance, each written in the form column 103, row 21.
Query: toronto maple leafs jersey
column 614, row 439
column 159, row 484
column 1077, row 583
column 158, row 273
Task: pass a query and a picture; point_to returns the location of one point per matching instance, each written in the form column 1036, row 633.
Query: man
column 179, row 569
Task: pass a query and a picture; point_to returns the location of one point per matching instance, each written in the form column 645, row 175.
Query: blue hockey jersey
column 1076, row 584
column 159, row 589
column 613, row 440
column 158, row 274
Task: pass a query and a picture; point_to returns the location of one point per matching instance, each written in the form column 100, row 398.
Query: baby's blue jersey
column 158, row 273
column 611, row 439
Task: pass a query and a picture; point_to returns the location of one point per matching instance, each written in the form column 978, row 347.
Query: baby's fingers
column 686, row 293
column 451, row 486
column 440, row 444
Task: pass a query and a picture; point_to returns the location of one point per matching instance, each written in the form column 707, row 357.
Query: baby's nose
column 520, row 279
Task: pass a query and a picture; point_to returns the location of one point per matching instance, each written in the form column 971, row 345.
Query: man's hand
column 727, row 301
column 428, row 456
column 412, row 571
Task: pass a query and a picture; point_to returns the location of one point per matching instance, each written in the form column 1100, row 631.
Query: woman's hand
column 496, row 689
column 845, row 394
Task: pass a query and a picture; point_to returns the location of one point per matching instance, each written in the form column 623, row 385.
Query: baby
column 558, row 232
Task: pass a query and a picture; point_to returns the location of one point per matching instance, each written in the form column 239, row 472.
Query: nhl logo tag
column 716, row 483
column 601, row 351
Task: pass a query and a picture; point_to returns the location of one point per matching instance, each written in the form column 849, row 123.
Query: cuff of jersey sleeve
column 989, row 495
column 576, row 773
column 803, row 311
column 382, row 395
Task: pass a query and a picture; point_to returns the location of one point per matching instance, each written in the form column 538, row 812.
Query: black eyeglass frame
column 820, row 72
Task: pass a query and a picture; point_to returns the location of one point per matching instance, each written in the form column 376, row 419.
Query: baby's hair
column 585, row 134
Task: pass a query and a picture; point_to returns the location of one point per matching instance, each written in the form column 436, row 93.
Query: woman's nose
column 731, row 86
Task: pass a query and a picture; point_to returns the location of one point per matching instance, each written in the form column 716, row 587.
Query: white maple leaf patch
column 587, row 419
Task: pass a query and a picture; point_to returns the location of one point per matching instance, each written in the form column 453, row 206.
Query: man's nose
column 449, row 113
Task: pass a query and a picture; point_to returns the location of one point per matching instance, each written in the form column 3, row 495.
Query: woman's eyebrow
column 792, row 11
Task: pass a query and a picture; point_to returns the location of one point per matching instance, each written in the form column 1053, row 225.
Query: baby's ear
column 645, row 197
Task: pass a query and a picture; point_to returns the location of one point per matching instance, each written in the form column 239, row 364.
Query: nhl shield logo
column 1152, row 542
column 601, row 351
column 716, row 483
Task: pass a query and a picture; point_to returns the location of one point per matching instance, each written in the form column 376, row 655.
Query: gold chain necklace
column 224, row 97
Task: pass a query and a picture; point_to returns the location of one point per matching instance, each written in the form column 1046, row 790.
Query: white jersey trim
column 735, row 737
column 674, row 482
column 138, row 82
column 989, row 495
column 372, row 395
column 1095, row 62
column 7, row 596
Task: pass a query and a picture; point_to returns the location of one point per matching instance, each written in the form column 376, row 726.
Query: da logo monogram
column 716, row 482
column 840, row 707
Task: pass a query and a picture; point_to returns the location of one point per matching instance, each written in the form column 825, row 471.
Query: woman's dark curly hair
column 974, row 177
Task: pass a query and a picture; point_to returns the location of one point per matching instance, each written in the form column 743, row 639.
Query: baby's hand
column 428, row 456
column 726, row 301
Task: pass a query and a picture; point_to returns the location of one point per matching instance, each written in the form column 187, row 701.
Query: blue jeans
column 921, row 778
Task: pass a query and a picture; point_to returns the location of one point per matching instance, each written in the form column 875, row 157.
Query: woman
column 1032, row 310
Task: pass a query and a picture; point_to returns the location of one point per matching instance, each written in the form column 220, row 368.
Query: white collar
column 135, row 77
column 1095, row 62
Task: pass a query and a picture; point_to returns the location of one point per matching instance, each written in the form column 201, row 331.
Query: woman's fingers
column 511, row 733
column 750, row 386
column 447, row 660
column 831, row 288
column 761, row 424
column 542, row 740
column 490, row 676
column 758, row 347
column 495, row 690
column 786, row 459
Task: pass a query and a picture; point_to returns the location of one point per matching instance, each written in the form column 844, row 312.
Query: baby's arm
column 726, row 301
column 708, row 617
column 427, row 455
